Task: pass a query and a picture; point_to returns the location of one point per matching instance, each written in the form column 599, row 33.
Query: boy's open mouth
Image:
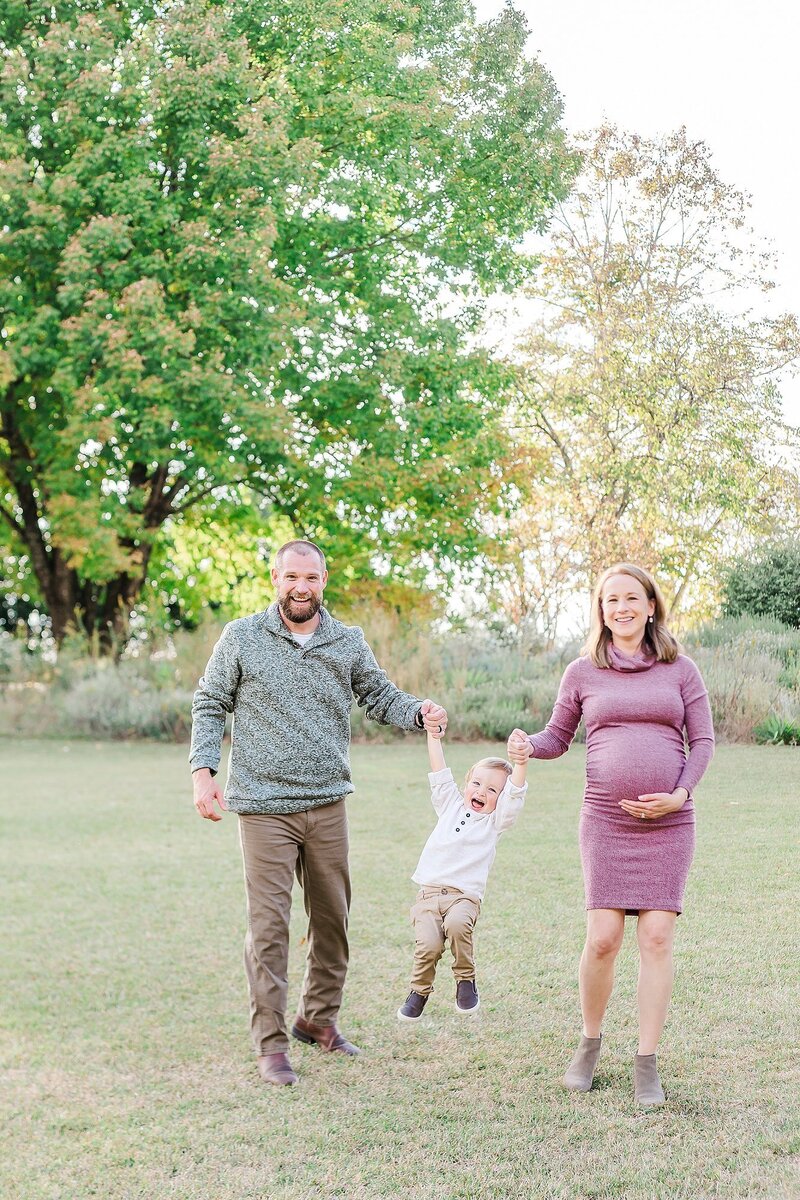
column 478, row 805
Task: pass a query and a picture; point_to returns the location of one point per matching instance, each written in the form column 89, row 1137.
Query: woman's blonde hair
column 657, row 637
column 493, row 764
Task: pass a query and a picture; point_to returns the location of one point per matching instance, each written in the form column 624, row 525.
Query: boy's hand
column 519, row 748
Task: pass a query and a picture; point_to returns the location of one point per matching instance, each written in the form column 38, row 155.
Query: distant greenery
column 243, row 254
column 766, row 584
column 647, row 424
column 751, row 667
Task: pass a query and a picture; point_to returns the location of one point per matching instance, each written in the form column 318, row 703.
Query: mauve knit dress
column 635, row 713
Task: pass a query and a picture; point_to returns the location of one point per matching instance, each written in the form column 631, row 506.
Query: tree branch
column 13, row 522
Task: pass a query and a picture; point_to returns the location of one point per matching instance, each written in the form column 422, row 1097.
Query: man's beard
column 299, row 614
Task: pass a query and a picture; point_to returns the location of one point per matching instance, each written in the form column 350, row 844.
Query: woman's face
column 625, row 608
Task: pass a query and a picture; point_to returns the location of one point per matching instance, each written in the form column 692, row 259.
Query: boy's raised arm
column 436, row 751
column 518, row 753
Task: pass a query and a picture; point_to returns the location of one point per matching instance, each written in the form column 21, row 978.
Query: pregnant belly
column 628, row 761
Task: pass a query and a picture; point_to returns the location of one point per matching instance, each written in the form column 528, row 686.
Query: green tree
column 647, row 419
column 242, row 249
column 766, row 584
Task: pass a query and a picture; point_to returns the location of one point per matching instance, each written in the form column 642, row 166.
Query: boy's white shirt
column 463, row 859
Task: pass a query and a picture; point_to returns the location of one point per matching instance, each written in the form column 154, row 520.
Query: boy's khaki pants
column 314, row 846
column 442, row 914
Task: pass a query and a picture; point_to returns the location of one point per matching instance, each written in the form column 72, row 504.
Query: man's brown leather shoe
column 276, row 1068
column 327, row 1037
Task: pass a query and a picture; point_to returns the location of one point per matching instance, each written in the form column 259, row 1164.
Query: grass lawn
column 125, row 1060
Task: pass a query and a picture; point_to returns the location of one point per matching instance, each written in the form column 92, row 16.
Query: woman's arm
column 699, row 725
column 700, row 737
column 554, row 740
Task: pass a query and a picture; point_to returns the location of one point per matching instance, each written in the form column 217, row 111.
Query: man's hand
column 434, row 718
column 206, row 793
column 519, row 748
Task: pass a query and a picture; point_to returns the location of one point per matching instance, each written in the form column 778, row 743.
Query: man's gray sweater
column 291, row 711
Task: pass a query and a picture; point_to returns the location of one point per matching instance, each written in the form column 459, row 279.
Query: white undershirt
column 302, row 638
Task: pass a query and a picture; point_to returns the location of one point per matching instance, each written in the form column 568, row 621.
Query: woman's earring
column 651, row 620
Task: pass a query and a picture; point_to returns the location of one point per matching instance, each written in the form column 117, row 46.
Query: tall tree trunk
column 99, row 610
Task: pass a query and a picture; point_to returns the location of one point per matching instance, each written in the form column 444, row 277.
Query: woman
column 637, row 695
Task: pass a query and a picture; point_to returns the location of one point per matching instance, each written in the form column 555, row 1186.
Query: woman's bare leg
column 604, row 930
column 655, row 933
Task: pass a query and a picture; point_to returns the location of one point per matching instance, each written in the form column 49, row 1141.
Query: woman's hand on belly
column 655, row 804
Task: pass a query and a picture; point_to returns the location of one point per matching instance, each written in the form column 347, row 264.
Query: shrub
column 742, row 689
column 751, row 666
column 778, row 731
column 117, row 703
column 767, row 585
column 763, row 631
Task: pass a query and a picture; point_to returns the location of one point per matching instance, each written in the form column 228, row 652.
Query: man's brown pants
column 314, row 846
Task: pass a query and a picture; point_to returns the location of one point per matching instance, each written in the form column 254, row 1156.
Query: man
column 289, row 675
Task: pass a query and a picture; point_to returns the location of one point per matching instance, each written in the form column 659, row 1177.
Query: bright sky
column 726, row 69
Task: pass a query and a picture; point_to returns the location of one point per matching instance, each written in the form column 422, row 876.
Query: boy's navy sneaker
column 467, row 1000
column 412, row 1009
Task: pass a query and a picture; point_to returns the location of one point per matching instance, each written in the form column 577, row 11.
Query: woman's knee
column 604, row 940
column 655, row 938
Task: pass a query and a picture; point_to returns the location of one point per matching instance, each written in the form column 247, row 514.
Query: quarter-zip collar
column 328, row 630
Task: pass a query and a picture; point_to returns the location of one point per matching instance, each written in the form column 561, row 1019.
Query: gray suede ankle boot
column 646, row 1085
column 580, row 1072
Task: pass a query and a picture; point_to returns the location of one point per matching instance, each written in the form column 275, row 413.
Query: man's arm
column 214, row 699
column 386, row 703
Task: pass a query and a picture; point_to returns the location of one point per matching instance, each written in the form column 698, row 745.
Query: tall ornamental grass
column 751, row 667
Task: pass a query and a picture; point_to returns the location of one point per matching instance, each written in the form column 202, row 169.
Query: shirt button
column 469, row 814
column 458, row 829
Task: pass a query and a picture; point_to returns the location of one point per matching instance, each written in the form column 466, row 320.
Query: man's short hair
column 301, row 546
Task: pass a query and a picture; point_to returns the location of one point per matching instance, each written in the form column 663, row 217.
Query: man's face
column 299, row 582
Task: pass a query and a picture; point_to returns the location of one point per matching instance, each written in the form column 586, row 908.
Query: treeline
column 246, row 259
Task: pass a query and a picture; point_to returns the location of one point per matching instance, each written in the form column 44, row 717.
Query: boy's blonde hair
column 494, row 764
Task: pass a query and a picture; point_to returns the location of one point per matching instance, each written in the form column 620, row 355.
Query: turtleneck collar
column 642, row 660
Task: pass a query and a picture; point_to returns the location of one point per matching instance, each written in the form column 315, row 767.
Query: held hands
column 434, row 718
column 518, row 748
column 655, row 804
column 206, row 793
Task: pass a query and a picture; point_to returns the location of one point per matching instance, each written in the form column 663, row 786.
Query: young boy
column 453, row 869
